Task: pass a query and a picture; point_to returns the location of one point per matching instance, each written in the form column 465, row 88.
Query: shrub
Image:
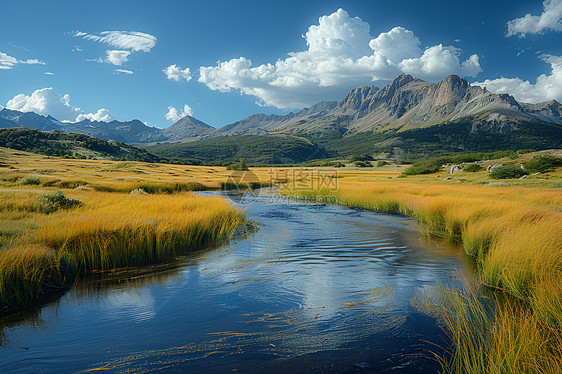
column 361, row 157
column 472, row 168
column 363, row 164
column 28, row 181
column 424, row 167
column 238, row 165
column 543, row 163
column 381, row 163
column 49, row 203
column 507, row 172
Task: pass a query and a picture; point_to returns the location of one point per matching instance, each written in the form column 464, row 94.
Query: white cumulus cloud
column 8, row 62
column 175, row 73
column 47, row 101
column 341, row 54
column 546, row 87
column 117, row 57
column 396, row 45
column 549, row 19
column 438, row 61
column 102, row 115
column 175, row 115
column 131, row 40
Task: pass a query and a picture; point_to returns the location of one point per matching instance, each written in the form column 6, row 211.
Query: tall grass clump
column 140, row 230
column 495, row 337
column 28, row 273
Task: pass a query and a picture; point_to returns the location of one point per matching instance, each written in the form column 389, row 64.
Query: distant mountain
column 406, row 103
column 28, row 120
column 127, row 132
column 134, row 132
column 406, row 119
column 186, row 128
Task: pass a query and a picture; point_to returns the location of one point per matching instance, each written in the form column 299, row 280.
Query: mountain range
column 405, row 104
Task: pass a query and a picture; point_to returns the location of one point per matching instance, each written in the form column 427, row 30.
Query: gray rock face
column 491, row 168
column 406, row 103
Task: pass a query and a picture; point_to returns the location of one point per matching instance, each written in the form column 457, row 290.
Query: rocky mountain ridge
column 404, row 104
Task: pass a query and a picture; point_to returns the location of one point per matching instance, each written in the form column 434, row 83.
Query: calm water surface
column 317, row 289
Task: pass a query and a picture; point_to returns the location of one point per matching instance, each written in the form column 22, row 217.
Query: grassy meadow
column 104, row 218
column 512, row 228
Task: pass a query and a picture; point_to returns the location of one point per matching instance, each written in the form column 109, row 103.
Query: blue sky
column 128, row 59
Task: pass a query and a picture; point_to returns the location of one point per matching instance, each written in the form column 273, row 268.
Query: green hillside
column 55, row 143
column 255, row 149
column 449, row 138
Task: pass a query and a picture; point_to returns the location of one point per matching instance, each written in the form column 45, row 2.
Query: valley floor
column 512, row 229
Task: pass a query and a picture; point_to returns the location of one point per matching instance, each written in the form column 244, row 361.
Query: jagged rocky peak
column 400, row 81
column 358, row 98
column 452, row 89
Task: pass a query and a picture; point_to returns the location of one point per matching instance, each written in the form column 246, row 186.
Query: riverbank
column 45, row 252
column 514, row 234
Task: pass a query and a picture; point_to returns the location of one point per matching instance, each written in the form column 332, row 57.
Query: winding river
column 318, row 288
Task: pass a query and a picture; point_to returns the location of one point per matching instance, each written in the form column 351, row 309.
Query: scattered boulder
column 447, row 178
column 454, row 169
column 492, row 167
column 523, row 177
column 139, row 191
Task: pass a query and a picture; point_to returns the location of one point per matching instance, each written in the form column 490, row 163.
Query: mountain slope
column 186, row 128
column 28, row 120
column 406, row 103
column 128, row 132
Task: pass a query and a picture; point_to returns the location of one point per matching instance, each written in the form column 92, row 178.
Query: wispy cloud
column 130, row 40
column 8, row 62
column 123, row 71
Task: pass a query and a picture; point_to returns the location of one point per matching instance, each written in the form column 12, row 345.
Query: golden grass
column 111, row 229
column 499, row 337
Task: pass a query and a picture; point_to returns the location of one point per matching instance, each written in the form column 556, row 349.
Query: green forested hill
column 255, row 149
column 55, row 143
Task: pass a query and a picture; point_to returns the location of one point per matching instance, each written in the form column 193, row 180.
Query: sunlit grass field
column 46, row 250
column 512, row 229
